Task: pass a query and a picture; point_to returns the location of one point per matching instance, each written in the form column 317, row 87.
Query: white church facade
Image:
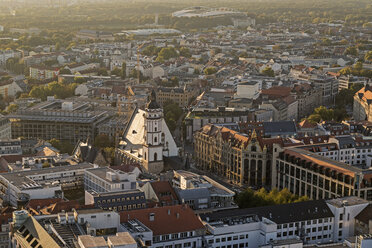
column 147, row 139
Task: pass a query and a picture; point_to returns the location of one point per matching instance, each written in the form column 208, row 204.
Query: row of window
column 309, row 222
column 123, row 199
column 126, row 207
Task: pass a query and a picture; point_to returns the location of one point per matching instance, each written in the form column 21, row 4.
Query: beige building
column 362, row 104
column 242, row 159
column 178, row 95
column 308, row 96
column 9, row 88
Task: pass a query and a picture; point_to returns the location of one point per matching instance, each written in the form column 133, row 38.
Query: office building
column 57, row 119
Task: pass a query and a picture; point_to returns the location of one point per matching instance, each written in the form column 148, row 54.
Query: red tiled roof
column 277, row 91
column 307, row 124
column 167, row 220
column 164, row 192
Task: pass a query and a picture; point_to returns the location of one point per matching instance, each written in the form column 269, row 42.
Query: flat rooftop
column 347, row 201
column 20, row 178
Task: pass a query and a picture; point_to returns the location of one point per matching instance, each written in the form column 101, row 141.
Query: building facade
column 242, row 159
column 5, row 128
column 318, row 177
column 178, row 95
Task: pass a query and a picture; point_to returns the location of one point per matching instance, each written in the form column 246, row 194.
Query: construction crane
column 138, row 62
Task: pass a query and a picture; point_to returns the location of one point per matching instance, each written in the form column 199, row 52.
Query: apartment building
column 169, row 226
column 178, row 95
column 199, row 117
column 9, row 88
column 362, row 104
column 42, row 72
column 10, row 147
column 352, row 150
column 7, row 54
column 307, row 173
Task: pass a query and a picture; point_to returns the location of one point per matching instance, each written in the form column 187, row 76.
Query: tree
column 12, row 108
column 79, row 80
column 172, row 113
column 102, row 72
column 268, row 72
column 102, row 141
column 368, row 56
column 65, row 71
column 150, row 50
column 323, row 114
column 62, row 146
column 123, row 73
column 351, row 51
column 249, row 198
column 185, row 52
column 167, row 53
column 116, row 71
column 57, row 89
column 210, row 71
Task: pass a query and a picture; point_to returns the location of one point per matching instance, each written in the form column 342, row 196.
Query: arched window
column 155, row 139
column 155, row 156
column 253, row 148
column 155, row 129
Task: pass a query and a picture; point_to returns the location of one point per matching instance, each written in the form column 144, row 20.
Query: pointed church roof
column 152, row 104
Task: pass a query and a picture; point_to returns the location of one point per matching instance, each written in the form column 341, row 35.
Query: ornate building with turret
column 147, row 139
column 239, row 158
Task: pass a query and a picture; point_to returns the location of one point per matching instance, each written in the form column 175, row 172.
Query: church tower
column 153, row 136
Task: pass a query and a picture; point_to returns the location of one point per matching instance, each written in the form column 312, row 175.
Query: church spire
column 152, row 104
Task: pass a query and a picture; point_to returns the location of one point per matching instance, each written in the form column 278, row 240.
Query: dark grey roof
column 279, row 127
column 345, row 141
column 366, row 215
column 280, row 214
column 197, row 193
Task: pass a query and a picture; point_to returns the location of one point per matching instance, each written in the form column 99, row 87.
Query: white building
column 16, row 188
column 7, row 54
column 104, row 179
column 364, row 241
column 243, row 231
column 249, row 89
column 10, row 147
column 345, row 209
column 147, row 138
